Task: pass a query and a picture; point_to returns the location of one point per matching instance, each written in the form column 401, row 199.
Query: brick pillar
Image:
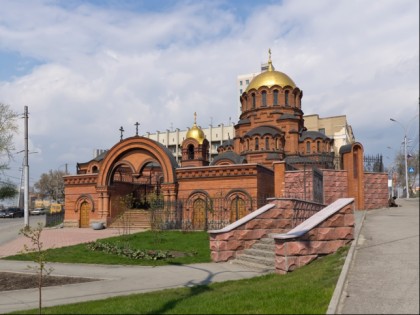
column 279, row 178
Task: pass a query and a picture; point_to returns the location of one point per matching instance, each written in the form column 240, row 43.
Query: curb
column 338, row 291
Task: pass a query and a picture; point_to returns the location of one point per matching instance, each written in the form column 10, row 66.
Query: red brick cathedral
column 272, row 155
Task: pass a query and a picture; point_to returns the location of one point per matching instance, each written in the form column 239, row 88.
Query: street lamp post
column 405, row 157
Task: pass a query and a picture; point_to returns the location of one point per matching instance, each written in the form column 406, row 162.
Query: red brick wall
column 296, row 186
column 376, row 190
column 335, row 185
column 73, row 193
column 324, row 239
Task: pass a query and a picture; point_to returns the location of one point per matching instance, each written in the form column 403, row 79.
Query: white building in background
column 173, row 139
column 335, row 127
column 243, row 80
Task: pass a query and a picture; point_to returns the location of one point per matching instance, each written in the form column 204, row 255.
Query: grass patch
column 189, row 247
column 307, row 290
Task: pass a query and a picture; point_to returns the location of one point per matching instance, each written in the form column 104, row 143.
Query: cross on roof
column 121, row 130
column 137, row 124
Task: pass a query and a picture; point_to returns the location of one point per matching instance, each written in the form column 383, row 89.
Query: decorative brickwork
column 324, row 238
column 335, row 185
column 376, row 190
column 279, row 216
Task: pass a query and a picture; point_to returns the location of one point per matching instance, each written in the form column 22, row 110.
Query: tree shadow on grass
column 194, row 291
column 195, row 288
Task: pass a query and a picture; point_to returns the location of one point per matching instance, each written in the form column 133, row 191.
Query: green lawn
column 307, row 290
column 194, row 246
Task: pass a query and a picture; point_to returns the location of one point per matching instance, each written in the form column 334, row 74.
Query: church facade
column 271, row 155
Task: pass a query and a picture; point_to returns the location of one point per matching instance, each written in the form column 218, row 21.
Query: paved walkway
column 380, row 275
column 383, row 274
column 57, row 237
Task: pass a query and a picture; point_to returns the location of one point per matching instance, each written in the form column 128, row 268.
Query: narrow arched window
column 257, row 144
column 253, row 100
column 308, row 147
column 267, row 144
column 318, row 146
column 190, row 152
column 286, row 98
column 275, row 97
column 264, row 99
column 247, row 144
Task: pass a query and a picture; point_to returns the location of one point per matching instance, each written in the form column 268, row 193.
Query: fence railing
column 202, row 214
column 373, row 163
column 54, row 219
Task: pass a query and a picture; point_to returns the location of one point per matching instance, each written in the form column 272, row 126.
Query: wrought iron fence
column 54, row 219
column 373, row 163
column 202, row 214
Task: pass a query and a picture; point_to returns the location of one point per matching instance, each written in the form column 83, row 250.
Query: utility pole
column 26, row 170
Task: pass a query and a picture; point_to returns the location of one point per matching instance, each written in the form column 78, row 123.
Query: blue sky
column 85, row 68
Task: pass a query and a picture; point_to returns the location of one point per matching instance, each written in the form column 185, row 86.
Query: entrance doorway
column 84, row 214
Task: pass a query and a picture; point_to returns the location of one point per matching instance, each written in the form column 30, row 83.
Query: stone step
column 132, row 219
column 256, row 252
column 266, row 240
column 266, row 261
column 262, row 246
column 253, row 265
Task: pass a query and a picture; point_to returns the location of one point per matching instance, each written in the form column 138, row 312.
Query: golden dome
column 195, row 132
column 270, row 77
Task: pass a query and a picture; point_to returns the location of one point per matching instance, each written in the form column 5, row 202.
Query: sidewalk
column 57, row 237
column 383, row 274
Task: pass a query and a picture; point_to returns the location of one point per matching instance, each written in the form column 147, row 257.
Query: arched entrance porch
column 135, row 172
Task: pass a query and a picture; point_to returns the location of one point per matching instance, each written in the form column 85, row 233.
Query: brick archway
column 135, row 152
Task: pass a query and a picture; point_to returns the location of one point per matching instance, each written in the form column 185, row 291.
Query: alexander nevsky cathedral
column 271, row 155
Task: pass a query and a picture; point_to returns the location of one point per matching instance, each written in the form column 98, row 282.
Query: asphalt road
column 9, row 228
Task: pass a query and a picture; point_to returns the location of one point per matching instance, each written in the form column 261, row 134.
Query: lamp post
column 405, row 156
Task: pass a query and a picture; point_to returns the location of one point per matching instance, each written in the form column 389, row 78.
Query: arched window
column 318, row 146
column 253, row 100
column 267, row 144
column 257, row 144
column 308, row 147
column 190, row 152
column 95, row 169
column 247, row 144
column 264, row 99
column 277, row 143
column 275, row 97
column 286, row 98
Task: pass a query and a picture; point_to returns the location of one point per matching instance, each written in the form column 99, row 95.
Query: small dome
column 195, row 132
column 270, row 77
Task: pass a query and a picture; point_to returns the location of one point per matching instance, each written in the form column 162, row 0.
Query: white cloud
column 103, row 68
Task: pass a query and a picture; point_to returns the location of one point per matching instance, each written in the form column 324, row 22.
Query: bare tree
column 38, row 255
column 8, row 128
column 51, row 185
column 412, row 163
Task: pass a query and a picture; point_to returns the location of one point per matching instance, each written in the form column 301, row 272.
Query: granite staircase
column 260, row 256
column 133, row 219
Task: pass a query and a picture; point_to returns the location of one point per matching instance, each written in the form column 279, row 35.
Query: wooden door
column 199, row 214
column 84, row 214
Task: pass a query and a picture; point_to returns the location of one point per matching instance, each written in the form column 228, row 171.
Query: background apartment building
column 335, row 127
